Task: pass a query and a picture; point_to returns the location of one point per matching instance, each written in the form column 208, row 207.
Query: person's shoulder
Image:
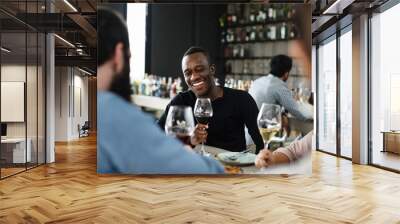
column 238, row 94
column 235, row 92
column 259, row 84
column 183, row 98
column 230, row 91
column 261, row 79
column 107, row 98
column 111, row 105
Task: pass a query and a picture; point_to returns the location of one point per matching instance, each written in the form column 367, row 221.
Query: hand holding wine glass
column 180, row 123
column 269, row 122
column 203, row 112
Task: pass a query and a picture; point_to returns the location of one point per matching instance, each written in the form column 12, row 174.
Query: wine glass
column 304, row 94
column 269, row 121
column 203, row 112
column 180, row 123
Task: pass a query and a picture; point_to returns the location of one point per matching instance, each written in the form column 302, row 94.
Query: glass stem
column 202, row 148
column 266, row 145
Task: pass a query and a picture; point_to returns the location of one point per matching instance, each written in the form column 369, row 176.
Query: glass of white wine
column 269, row 122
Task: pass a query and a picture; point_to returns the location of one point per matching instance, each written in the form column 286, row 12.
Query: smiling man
column 232, row 109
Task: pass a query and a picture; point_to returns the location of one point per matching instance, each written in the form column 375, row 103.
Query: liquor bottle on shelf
column 271, row 14
column 143, row 85
column 223, row 36
column 234, row 19
column 228, row 52
column 252, row 15
column 162, row 87
column 267, row 31
column 238, row 83
column 291, row 13
column 179, row 87
column 248, row 33
column 283, row 31
column 156, row 87
column 285, row 12
column 151, row 86
column 230, row 37
column 292, row 32
column 279, row 13
column 229, row 20
column 172, row 91
column 246, row 69
column 272, row 34
column 253, row 33
column 228, row 68
column 238, row 34
column 262, row 15
column 242, row 51
column 222, row 20
column 243, row 34
column 235, row 51
column 260, row 33
column 169, row 86
column 216, row 81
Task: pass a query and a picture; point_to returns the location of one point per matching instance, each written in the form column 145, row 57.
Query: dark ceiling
column 72, row 20
column 75, row 22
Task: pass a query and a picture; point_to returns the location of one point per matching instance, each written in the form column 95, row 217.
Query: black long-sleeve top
column 231, row 113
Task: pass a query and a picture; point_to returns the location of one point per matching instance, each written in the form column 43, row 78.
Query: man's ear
column 212, row 69
column 286, row 75
column 118, row 59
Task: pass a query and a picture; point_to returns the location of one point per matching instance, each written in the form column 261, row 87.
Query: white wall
column 33, row 126
column 14, row 73
column 71, row 94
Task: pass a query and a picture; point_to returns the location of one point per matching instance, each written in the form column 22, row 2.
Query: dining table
column 302, row 166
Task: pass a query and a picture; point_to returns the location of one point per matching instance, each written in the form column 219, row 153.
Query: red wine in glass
column 203, row 119
column 180, row 123
column 203, row 112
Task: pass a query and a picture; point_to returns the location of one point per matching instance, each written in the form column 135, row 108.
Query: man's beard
column 121, row 84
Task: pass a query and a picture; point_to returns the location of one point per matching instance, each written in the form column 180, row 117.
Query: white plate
column 237, row 158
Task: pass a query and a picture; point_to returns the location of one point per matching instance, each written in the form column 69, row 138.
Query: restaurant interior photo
column 167, row 111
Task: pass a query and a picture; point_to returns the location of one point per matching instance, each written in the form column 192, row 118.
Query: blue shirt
column 272, row 90
column 130, row 142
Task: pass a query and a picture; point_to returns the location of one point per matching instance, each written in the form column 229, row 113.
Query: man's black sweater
column 231, row 113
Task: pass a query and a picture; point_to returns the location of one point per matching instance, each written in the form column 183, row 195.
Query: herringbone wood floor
column 70, row 191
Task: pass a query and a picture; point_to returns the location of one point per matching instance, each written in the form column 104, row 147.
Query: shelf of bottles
column 157, row 86
column 253, row 23
column 251, row 34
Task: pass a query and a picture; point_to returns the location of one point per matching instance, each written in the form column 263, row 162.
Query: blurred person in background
column 128, row 140
column 272, row 89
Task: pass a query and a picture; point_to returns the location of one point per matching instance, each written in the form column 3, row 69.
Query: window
column 22, row 101
column 326, row 87
column 346, row 93
column 136, row 22
column 385, row 88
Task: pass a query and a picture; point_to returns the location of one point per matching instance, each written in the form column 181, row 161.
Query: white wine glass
column 269, row 121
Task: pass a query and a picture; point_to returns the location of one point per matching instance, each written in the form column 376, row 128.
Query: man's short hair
column 280, row 64
column 195, row 49
column 111, row 30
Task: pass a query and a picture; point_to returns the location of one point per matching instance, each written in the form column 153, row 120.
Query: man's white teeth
column 197, row 83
